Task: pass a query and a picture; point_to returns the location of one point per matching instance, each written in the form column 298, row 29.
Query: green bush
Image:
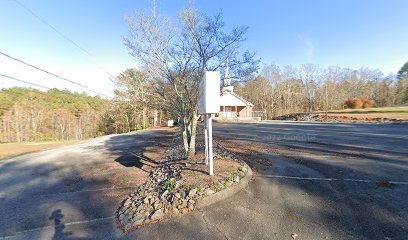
column 169, row 185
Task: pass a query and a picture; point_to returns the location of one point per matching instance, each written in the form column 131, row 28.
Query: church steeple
column 227, row 79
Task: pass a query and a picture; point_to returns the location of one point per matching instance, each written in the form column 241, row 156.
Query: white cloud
column 308, row 46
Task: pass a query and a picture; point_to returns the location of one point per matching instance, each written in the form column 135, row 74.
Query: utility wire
column 52, row 74
column 90, row 57
column 19, row 80
column 42, row 70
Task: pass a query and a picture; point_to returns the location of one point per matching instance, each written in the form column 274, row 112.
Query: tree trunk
column 160, row 117
column 79, row 127
column 189, row 136
column 127, row 123
column 144, row 116
column 155, row 118
column 191, row 150
column 185, row 137
column 17, row 124
column 62, row 130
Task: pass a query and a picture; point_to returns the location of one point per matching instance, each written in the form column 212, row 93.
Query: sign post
column 206, row 139
column 209, row 103
column 210, row 147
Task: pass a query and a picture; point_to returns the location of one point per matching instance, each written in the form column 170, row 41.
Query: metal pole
column 210, row 148
column 206, row 138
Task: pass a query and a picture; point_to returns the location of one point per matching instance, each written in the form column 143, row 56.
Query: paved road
column 326, row 181
column 73, row 192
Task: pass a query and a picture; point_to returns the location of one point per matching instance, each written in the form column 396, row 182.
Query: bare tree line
column 32, row 115
column 283, row 90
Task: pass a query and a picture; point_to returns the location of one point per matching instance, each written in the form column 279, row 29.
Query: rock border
column 226, row 193
column 164, row 195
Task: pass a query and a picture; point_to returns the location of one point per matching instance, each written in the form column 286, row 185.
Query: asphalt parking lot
column 73, row 192
column 324, row 181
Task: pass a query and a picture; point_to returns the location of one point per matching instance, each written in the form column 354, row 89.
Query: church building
column 231, row 104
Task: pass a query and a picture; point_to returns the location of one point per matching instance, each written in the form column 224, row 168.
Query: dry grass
column 397, row 113
column 8, row 150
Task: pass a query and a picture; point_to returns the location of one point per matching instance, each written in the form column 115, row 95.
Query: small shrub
column 367, row 103
column 187, row 187
column 169, row 185
column 353, row 103
column 141, row 127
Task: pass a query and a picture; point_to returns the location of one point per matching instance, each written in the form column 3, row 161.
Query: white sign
column 209, row 93
column 208, row 103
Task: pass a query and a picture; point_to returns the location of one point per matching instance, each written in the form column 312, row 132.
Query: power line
column 42, row 70
column 90, row 57
column 19, row 80
column 52, row 74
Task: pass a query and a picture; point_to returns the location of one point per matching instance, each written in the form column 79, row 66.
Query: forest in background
column 278, row 90
column 31, row 115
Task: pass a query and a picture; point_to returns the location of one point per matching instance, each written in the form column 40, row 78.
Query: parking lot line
column 329, row 179
column 89, row 190
column 15, row 234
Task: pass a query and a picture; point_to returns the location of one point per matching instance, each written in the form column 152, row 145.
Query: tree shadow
column 136, row 160
column 131, row 151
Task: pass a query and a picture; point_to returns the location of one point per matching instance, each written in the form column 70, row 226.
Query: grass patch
column 385, row 112
column 169, row 185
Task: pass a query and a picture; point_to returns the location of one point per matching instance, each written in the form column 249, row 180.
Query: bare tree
column 176, row 57
column 134, row 89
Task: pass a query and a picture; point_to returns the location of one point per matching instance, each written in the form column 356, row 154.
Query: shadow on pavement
column 138, row 150
column 53, row 188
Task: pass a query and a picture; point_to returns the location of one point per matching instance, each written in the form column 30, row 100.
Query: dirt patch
column 196, row 175
column 252, row 153
column 128, row 178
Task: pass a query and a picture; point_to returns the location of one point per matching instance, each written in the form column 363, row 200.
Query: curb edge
column 226, row 193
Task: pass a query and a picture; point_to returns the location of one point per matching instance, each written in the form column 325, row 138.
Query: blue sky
column 342, row 32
